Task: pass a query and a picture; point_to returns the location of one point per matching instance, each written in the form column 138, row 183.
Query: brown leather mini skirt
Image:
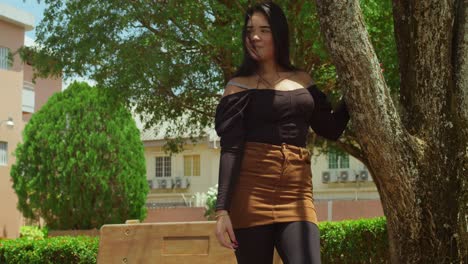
column 274, row 185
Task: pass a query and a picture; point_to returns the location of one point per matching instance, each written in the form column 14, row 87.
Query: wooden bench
column 183, row 242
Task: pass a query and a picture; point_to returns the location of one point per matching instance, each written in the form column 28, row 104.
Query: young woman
column 265, row 183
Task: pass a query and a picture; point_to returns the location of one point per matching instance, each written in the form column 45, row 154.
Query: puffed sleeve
column 324, row 121
column 229, row 125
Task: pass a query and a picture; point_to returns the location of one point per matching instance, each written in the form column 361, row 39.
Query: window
column 192, row 165
column 5, row 58
column 344, row 161
column 3, row 153
column 28, row 97
column 338, row 160
column 163, row 166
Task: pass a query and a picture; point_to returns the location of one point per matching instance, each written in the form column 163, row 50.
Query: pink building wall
column 12, row 81
column 10, row 106
column 12, row 37
column 43, row 89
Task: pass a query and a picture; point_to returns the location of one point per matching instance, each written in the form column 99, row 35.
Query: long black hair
column 280, row 31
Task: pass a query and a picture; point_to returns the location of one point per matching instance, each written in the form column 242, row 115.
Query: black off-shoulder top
column 270, row 116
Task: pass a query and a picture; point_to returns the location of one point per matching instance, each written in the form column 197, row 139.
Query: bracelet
column 217, row 216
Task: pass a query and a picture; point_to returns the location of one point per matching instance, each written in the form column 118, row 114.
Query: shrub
column 32, row 232
column 81, row 163
column 354, row 241
column 50, row 250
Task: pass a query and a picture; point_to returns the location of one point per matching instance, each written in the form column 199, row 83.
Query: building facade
column 342, row 186
column 20, row 97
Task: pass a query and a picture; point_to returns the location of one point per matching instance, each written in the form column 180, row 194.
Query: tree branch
column 228, row 4
column 352, row 147
column 170, row 95
column 145, row 24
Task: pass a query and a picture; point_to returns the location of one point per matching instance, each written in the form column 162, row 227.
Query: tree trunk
column 461, row 97
column 419, row 156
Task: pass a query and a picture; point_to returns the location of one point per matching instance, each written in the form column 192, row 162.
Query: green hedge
column 354, row 241
column 81, row 249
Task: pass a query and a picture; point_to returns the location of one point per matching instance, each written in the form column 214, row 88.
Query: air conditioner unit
column 151, row 184
column 164, row 184
column 170, row 183
column 326, row 176
column 363, row 175
column 185, row 182
column 344, row 176
column 155, row 183
column 329, row 176
column 178, row 182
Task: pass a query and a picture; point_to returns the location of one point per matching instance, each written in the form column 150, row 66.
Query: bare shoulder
column 232, row 89
column 236, row 85
column 303, row 78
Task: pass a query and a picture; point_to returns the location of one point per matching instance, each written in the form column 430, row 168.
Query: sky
column 30, row 6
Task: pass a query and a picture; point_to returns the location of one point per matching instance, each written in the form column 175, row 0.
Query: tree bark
column 418, row 156
column 461, row 97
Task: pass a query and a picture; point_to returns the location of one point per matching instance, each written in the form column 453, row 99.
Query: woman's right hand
column 223, row 226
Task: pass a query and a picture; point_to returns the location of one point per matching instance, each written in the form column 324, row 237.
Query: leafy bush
column 32, row 232
column 81, row 163
column 50, row 250
column 354, row 241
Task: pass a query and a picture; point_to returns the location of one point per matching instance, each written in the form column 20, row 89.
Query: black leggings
column 296, row 243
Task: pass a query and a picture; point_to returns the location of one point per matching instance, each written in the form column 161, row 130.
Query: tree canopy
column 172, row 58
column 81, row 163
